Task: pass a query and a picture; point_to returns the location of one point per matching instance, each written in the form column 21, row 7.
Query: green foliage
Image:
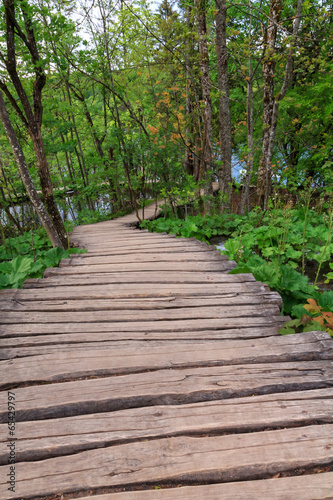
column 270, row 245
column 317, row 314
column 196, row 226
column 27, row 256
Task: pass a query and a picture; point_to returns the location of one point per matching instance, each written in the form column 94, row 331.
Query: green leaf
column 241, row 269
column 22, row 264
column 54, row 256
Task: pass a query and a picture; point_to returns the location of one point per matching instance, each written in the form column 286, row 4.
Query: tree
column 26, row 177
column 224, row 171
column 271, row 102
column 206, row 156
column 21, row 26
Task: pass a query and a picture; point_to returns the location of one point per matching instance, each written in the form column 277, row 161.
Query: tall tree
column 271, row 102
column 224, row 171
column 21, row 26
column 26, row 177
column 206, row 156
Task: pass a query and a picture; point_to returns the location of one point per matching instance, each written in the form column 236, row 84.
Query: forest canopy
column 131, row 98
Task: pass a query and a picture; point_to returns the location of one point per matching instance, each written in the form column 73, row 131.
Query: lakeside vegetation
column 132, row 102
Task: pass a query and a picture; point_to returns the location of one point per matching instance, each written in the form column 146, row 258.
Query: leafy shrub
column 275, row 246
column 27, row 256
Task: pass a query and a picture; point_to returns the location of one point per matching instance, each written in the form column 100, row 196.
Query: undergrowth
column 27, row 256
column 277, row 247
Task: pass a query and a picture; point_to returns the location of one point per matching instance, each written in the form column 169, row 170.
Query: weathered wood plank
column 74, row 361
column 305, row 487
column 180, row 459
column 130, row 290
column 36, row 349
column 176, row 301
column 191, row 266
column 22, row 329
column 150, row 290
column 177, row 244
column 50, row 438
column 166, row 387
column 144, row 250
column 116, row 336
column 151, row 277
column 179, row 277
column 156, row 314
column 143, row 257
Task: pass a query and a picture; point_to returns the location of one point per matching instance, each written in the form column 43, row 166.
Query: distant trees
column 135, row 102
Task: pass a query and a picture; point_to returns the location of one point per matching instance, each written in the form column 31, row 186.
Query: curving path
column 142, row 370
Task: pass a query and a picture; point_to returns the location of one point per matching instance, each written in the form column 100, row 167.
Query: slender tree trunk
column 271, row 103
column 15, row 219
column 46, row 184
column 268, row 69
column 32, row 115
column 189, row 158
column 68, row 162
column 224, row 171
column 4, row 206
column 71, row 114
column 46, row 220
column 206, row 161
column 245, row 199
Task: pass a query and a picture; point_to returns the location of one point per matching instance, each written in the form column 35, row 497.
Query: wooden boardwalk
column 143, row 371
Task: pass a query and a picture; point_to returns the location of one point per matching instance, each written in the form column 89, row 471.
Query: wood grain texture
column 39, row 440
column 145, row 336
column 143, row 363
column 22, row 329
column 151, row 277
column 191, row 265
column 166, row 387
column 72, row 361
column 312, row 487
column 152, row 256
column 150, row 314
column 172, row 302
column 180, row 459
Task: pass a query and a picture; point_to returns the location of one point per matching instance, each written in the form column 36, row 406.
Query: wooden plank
column 176, row 301
column 69, row 362
column 110, row 238
column 21, row 329
column 166, row 387
column 149, row 277
column 156, row 314
column 150, row 290
column 55, row 437
column 305, row 487
column 145, row 257
column 180, row 459
column 179, row 246
column 144, row 250
column 191, row 266
column 36, row 349
column 116, row 336
column 126, row 292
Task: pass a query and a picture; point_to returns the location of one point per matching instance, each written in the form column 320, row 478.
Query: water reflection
column 69, row 208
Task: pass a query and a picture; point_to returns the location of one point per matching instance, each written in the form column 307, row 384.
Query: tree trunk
column 224, row 171
column 189, row 158
column 268, row 68
column 271, row 103
column 206, row 161
column 245, row 199
column 26, row 177
column 31, row 116
column 46, row 184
